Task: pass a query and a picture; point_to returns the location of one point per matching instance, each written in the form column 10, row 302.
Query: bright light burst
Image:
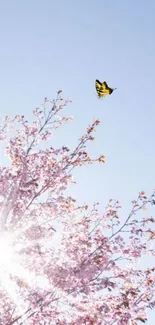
column 6, row 250
column 17, row 277
column 8, row 266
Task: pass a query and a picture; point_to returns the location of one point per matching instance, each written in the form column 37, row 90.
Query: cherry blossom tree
column 61, row 263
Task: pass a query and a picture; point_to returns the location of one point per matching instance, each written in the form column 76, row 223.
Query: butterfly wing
column 101, row 88
column 105, row 85
column 108, row 90
column 105, row 88
column 98, row 85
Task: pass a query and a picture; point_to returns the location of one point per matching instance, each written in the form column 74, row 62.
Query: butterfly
column 103, row 89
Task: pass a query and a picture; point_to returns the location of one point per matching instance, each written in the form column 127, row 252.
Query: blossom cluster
column 66, row 264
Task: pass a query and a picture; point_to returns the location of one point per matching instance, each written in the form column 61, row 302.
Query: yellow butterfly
column 103, row 89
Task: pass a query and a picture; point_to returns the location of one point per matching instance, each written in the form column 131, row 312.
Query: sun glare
column 6, row 250
column 16, row 275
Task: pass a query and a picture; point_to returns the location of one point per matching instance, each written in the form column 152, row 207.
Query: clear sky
column 67, row 44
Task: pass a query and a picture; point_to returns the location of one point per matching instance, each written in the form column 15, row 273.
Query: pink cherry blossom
column 61, row 263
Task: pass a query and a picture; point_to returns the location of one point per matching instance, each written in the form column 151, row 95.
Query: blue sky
column 65, row 44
